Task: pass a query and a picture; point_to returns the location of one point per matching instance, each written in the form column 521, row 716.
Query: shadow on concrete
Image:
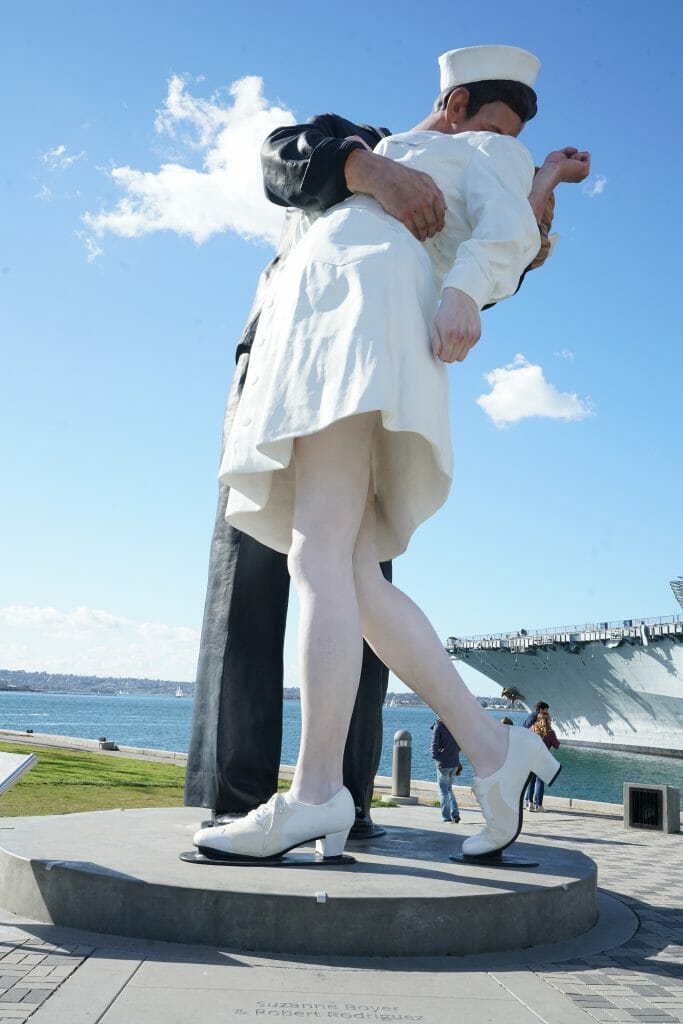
column 584, row 840
column 82, row 865
column 407, row 843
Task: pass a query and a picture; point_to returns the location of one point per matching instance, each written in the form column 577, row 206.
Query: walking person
column 341, row 446
column 536, row 788
column 446, row 753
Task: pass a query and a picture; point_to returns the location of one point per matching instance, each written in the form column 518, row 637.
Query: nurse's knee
column 317, row 554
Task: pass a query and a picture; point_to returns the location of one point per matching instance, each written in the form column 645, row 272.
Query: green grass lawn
column 66, row 781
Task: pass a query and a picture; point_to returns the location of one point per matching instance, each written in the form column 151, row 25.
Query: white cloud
column 92, row 249
column 44, row 193
column 59, row 160
column 226, row 194
column 90, row 641
column 595, row 186
column 520, row 390
column 565, row 353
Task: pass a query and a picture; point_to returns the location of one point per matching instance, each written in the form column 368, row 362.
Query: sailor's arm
column 315, row 165
column 304, row 165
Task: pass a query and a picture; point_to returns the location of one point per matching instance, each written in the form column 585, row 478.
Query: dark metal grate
column 646, row 808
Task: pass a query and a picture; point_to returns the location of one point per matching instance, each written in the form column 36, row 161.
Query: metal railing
column 658, row 620
column 549, row 634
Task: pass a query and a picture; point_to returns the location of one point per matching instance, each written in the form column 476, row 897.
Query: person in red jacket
column 543, row 727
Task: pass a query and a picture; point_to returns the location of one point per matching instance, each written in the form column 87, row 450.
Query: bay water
column 163, row 723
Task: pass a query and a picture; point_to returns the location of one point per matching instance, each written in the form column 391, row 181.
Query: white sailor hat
column 481, row 63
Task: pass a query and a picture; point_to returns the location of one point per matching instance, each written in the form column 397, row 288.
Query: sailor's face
column 493, row 117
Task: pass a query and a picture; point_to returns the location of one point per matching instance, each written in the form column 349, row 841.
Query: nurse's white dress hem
column 347, row 331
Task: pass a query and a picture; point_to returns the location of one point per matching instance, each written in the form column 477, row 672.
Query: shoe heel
column 545, row 766
column 332, row 845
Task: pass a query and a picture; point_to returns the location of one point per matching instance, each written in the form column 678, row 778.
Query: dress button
column 259, row 342
column 254, row 379
column 246, row 421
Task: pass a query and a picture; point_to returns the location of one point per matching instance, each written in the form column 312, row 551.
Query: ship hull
column 622, row 695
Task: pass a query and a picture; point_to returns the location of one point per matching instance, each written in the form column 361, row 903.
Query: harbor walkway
column 628, row 968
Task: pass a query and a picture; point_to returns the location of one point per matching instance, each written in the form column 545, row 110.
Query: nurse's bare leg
column 502, row 758
column 404, row 639
column 332, row 470
column 332, row 476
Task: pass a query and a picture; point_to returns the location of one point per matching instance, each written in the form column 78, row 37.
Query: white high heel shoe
column 278, row 826
column 501, row 795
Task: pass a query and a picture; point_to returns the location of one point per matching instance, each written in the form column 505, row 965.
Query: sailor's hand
column 567, row 164
column 457, row 326
column 408, row 195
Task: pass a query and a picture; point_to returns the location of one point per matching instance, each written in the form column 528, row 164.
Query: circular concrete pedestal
column 119, row 872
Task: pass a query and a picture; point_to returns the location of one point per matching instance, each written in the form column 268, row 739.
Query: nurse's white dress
column 346, row 330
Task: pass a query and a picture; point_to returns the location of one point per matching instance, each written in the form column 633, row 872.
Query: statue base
column 119, row 872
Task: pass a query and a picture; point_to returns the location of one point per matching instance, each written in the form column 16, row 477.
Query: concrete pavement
column 628, row 968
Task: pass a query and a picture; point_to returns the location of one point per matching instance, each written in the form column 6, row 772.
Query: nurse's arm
column 563, row 165
column 568, row 165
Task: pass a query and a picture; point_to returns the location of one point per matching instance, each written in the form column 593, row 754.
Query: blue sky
column 134, row 232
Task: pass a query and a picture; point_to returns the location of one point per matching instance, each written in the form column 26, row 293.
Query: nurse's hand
column 408, row 195
column 568, row 165
column 457, row 326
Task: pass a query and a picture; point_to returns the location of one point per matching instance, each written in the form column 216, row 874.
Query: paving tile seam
column 328, row 994
column 522, row 1002
column 121, row 989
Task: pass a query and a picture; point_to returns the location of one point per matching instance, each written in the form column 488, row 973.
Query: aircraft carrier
column 616, row 685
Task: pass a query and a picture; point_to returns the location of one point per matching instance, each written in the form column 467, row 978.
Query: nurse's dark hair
column 520, row 98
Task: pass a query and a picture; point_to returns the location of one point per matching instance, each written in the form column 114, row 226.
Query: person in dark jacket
column 236, row 734
column 446, row 753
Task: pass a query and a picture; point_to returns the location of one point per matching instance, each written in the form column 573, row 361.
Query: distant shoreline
column 44, row 739
column 427, row 792
column 23, row 681
column 91, row 693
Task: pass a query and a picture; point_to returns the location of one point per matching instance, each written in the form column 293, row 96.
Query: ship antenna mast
column 677, row 587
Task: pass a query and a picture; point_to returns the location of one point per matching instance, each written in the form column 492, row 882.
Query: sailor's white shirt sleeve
column 505, row 236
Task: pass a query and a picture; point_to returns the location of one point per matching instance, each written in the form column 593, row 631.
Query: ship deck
column 615, row 685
